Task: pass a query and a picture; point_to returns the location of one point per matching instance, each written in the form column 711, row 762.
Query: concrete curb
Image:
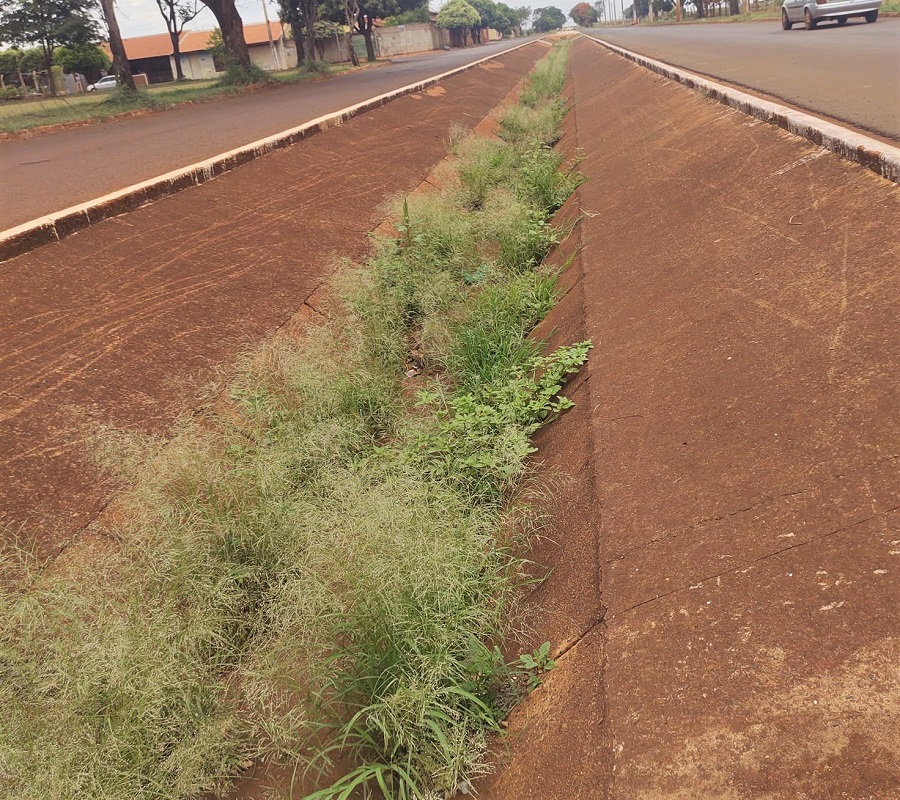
column 56, row 226
column 870, row 153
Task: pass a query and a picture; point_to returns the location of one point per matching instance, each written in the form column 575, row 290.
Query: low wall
column 329, row 50
column 415, row 38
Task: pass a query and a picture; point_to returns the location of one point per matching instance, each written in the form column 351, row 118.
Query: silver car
column 103, row 85
column 812, row 12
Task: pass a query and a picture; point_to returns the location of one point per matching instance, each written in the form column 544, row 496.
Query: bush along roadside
column 320, row 570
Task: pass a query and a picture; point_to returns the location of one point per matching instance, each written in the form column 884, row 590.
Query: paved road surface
column 850, row 73
column 54, row 171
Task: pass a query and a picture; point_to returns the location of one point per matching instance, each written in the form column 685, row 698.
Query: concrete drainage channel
column 56, row 226
column 874, row 155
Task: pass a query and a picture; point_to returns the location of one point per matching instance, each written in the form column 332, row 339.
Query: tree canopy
column 584, row 15
column 458, row 14
column 87, row 59
column 48, row 24
column 547, row 19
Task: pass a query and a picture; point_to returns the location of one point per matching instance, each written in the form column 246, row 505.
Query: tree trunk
column 297, row 36
column 48, row 65
column 176, row 54
column 734, row 6
column 232, row 28
column 354, row 59
column 120, row 60
column 309, row 10
column 365, row 25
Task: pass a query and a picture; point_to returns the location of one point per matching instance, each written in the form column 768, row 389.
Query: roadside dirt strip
column 113, row 325
column 726, row 555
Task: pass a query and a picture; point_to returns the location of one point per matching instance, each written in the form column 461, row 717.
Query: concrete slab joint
column 868, row 152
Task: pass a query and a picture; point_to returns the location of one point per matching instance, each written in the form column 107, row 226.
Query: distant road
column 850, row 73
column 57, row 170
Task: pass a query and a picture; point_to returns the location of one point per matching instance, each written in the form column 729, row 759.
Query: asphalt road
column 850, row 73
column 56, row 170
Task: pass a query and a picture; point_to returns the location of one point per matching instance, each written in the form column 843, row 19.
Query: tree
column 458, row 15
column 370, row 10
column 232, row 28
column 177, row 13
column 11, row 67
column 506, row 20
column 417, row 15
column 548, row 19
column 303, row 15
column 524, row 14
column 600, row 8
column 48, row 24
column 121, row 67
column 87, row 59
column 584, row 15
column 360, row 15
column 487, row 10
column 289, row 12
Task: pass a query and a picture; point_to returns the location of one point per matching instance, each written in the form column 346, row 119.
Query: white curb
column 56, row 226
column 870, row 153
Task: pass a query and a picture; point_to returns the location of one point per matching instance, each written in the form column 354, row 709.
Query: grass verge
column 94, row 107
column 320, row 571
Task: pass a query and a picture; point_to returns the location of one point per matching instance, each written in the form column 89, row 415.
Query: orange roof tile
column 256, row 33
column 194, row 41
column 159, row 44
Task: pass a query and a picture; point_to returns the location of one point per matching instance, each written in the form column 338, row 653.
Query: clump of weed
column 319, row 571
column 243, row 75
column 315, row 67
column 124, row 99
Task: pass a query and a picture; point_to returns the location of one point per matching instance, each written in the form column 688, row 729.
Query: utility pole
column 275, row 60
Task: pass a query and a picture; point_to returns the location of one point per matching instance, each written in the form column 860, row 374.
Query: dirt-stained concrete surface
column 109, row 326
column 725, row 550
column 733, row 518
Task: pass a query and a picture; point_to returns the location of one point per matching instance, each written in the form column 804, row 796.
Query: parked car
column 103, row 85
column 812, row 12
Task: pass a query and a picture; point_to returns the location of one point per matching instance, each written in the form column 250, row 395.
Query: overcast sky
column 142, row 17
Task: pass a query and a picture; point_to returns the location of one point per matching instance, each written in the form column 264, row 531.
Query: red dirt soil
column 113, row 325
column 732, row 520
column 723, row 592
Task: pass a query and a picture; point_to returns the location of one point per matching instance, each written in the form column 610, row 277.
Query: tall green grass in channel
column 320, row 570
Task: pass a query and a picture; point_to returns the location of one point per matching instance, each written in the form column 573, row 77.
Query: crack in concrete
column 573, row 643
column 769, row 498
column 755, row 561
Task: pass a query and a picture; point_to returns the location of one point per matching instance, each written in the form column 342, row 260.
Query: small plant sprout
column 536, row 665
